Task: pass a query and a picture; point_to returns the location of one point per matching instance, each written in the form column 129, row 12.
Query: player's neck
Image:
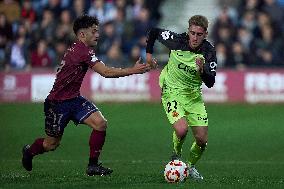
column 83, row 41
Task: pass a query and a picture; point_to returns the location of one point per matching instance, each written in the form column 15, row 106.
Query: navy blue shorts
column 59, row 113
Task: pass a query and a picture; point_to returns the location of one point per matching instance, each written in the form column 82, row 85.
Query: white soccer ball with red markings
column 176, row 171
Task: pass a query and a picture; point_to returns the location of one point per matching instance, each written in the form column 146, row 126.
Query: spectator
column 78, row 8
column 28, row 12
column 240, row 58
column 23, row 30
column 142, row 24
column 114, row 57
column 119, row 23
column 247, row 6
column 107, row 39
column 222, row 54
column 45, row 27
column 101, row 11
column 135, row 53
column 11, row 9
column 248, row 21
column 6, row 36
column 267, row 49
column 40, row 57
column 36, row 21
column 274, row 10
column 153, row 7
column 224, row 36
column 122, row 5
column 136, row 8
column 55, row 7
column 245, row 38
column 223, row 20
column 60, row 48
column 18, row 57
column 64, row 27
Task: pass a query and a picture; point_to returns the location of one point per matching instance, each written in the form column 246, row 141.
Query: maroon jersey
column 71, row 72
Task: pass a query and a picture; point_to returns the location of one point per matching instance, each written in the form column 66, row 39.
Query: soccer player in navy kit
column 64, row 102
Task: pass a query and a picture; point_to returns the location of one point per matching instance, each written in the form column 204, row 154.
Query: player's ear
column 206, row 34
column 81, row 34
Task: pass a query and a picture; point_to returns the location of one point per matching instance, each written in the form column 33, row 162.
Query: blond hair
column 199, row 20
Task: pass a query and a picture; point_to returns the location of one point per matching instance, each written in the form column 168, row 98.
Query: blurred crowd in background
column 34, row 34
column 249, row 33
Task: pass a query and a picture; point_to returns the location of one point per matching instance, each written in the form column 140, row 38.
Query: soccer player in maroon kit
column 64, row 102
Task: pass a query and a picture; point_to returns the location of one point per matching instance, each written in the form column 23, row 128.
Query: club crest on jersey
column 166, row 35
column 94, row 58
column 175, row 114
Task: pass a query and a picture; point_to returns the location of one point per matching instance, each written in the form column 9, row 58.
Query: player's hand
column 140, row 67
column 199, row 64
column 151, row 61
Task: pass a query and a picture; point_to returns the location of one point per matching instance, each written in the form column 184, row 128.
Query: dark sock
column 37, row 147
column 96, row 142
column 93, row 161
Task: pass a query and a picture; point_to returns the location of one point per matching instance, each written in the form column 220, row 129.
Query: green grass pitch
column 245, row 149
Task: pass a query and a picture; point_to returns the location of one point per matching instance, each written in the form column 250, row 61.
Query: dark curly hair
column 84, row 21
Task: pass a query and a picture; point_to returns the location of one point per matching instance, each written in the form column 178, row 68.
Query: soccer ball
column 176, row 171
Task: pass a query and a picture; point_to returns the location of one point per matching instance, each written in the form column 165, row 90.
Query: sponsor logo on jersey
column 94, row 58
column 205, row 119
column 186, row 68
column 213, row 66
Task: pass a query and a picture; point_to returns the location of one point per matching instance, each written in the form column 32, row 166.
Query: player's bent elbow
column 209, row 85
column 210, row 82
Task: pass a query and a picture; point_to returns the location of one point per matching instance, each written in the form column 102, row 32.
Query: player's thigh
column 97, row 121
column 57, row 116
column 82, row 109
column 196, row 114
column 181, row 127
column 173, row 107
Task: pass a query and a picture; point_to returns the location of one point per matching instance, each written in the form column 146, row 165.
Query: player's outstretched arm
column 110, row 72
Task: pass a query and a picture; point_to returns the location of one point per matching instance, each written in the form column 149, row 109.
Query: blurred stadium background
column 245, row 106
column 247, row 34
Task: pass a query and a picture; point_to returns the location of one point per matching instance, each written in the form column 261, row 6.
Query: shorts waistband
column 60, row 101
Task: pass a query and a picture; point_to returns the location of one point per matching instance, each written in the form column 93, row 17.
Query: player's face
column 196, row 35
column 92, row 35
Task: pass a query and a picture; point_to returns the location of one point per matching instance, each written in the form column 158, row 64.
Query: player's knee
column 54, row 146
column 101, row 125
column 181, row 132
column 202, row 142
column 51, row 145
